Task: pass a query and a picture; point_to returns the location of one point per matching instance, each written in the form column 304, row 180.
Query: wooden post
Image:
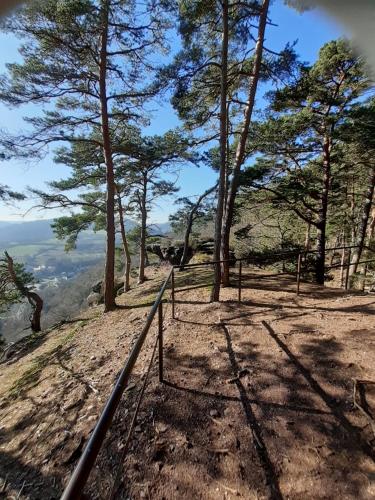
column 160, row 329
column 347, row 270
column 364, row 274
column 342, row 268
column 172, row 293
column 240, row 282
column 299, row 272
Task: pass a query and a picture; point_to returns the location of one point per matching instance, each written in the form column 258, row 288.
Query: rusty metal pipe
column 172, row 293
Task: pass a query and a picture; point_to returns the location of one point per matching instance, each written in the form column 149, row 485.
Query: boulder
column 171, row 254
column 206, row 247
column 119, row 284
column 97, row 287
column 94, row 299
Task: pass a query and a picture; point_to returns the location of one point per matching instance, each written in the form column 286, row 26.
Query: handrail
column 305, row 270
column 286, row 253
column 209, row 262
column 73, row 490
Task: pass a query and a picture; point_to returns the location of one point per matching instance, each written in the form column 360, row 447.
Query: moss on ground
column 31, row 376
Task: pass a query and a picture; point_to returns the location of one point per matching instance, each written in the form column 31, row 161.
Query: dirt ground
column 256, row 402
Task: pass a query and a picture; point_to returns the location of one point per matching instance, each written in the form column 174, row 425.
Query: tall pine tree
column 90, row 63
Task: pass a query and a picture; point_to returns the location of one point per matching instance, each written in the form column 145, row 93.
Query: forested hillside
column 64, row 279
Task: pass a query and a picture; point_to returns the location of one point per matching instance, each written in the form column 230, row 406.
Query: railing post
column 299, row 272
column 160, row 328
column 342, row 268
column 348, row 270
column 240, row 282
column 172, row 293
column 364, row 278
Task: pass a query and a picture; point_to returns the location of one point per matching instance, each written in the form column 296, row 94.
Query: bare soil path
column 257, row 399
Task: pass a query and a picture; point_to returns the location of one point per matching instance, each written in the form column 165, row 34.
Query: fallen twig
column 221, row 451
column 235, row 492
column 241, row 373
column 4, row 485
column 19, row 493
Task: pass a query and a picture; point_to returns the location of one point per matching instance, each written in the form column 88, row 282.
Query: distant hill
column 6, row 223
column 36, row 231
column 160, row 228
column 21, row 233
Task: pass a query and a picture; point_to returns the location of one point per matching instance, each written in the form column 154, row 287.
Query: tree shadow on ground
column 147, row 467
column 22, row 481
column 327, row 424
column 353, row 432
column 255, row 426
column 45, row 431
column 151, row 459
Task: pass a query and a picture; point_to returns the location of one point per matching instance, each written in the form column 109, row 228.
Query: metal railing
column 78, row 480
column 344, row 266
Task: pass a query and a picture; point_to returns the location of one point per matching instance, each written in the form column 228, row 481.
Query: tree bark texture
column 322, row 220
column 109, row 273
column 215, row 294
column 125, row 246
column 142, row 248
column 241, row 148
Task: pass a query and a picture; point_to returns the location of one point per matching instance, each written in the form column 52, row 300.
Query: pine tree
column 191, row 212
column 301, row 137
column 153, row 156
column 90, row 61
column 254, row 77
column 216, row 75
column 17, row 284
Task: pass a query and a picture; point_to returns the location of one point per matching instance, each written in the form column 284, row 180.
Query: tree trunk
column 33, row 298
column 215, row 294
column 333, row 254
column 125, row 246
column 185, row 252
column 240, row 152
column 320, row 255
column 362, row 230
column 371, row 229
column 109, row 273
column 36, row 303
column 322, row 222
column 142, row 248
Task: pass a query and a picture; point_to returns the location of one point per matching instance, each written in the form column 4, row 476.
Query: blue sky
column 311, row 30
